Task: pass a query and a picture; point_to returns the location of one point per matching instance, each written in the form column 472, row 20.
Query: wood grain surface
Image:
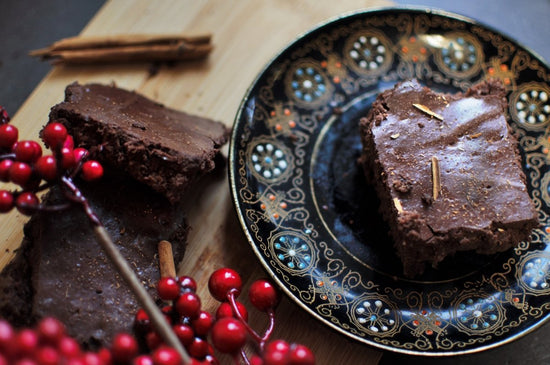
column 247, row 34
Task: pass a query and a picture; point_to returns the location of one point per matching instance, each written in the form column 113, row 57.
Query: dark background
column 29, row 24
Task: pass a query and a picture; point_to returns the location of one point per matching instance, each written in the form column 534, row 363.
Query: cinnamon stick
column 127, row 48
column 166, row 260
column 157, row 318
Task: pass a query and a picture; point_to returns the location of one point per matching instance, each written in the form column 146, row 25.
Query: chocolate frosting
column 483, row 202
column 481, row 180
column 161, row 147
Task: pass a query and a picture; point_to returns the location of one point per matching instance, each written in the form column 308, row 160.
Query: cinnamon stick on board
column 127, row 48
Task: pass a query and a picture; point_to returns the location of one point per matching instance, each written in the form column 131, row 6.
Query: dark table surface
column 31, row 24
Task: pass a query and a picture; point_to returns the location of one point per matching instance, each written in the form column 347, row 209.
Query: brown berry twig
column 22, row 163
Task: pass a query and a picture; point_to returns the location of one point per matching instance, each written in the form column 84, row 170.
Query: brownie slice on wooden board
column 70, row 276
column 161, row 147
column 416, row 141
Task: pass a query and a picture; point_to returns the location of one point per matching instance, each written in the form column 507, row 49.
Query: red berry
column 263, row 295
column 256, row 360
column 153, row 340
column 222, row 281
column 27, row 361
column 92, row 170
column 7, row 335
column 124, row 347
column 277, row 345
column 143, row 360
column 46, row 166
column 210, row 360
column 68, row 347
column 301, row 355
column 68, row 159
column 47, row 355
column 276, row 353
column 27, row 151
column 26, row 341
column 168, row 288
column 187, row 283
column 203, row 323
column 276, row 358
column 226, row 310
column 228, row 335
column 7, row 201
column 69, row 142
column 8, row 135
column 185, row 333
column 5, row 166
column 166, row 356
column 26, row 202
column 198, row 348
column 90, row 358
column 105, row 355
column 4, row 116
column 168, row 311
column 79, row 154
column 54, row 134
column 188, row 305
column 20, row 173
column 142, row 321
column 50, row 330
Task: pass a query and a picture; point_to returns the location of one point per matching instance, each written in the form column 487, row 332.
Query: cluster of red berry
column 46, row 344
column 49, row 344
column 189, row 322
column 22, row 162
column 229, row 330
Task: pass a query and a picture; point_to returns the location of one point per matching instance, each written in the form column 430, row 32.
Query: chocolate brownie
column 447, row 171
column 60, row 270
column 161, row 147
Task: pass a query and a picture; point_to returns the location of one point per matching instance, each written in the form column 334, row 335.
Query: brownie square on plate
column 447, row 171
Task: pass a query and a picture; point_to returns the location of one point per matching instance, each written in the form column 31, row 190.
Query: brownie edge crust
column 447, row 171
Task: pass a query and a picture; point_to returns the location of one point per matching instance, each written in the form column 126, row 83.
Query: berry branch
column 22, row 163
column 174, row 334
column 231, row 330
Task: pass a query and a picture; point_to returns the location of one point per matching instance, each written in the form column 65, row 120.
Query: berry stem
column 231, row 297
column 269, row 330
column 244, row 357
column 79, row 198
column 10, row 156
column 155, row 314
column 47, row 208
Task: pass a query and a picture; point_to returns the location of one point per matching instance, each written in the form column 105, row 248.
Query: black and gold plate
column 312, row 220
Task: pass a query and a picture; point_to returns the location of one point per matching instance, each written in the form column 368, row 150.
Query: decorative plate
column 312, row 220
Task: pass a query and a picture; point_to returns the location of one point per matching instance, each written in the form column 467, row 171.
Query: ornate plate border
column 299, row 92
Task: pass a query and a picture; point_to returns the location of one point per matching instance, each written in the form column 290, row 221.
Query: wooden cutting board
column 247, row 34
